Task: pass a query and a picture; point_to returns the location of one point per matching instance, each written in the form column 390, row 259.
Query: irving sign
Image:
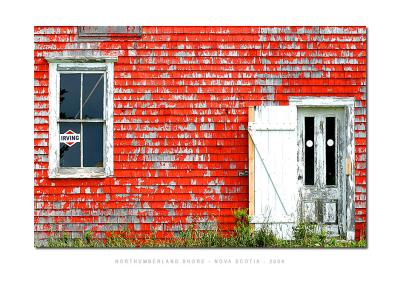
column 70, row 138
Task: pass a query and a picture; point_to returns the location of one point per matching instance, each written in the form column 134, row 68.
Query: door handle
column 299, row 177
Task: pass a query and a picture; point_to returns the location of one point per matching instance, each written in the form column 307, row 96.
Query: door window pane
column 70, row 156
column 70, row 95
column 92, row 144
column 92, row 96
column 309, row 150
column 330, row 153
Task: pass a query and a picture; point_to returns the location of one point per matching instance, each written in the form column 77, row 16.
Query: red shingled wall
column 181, row 96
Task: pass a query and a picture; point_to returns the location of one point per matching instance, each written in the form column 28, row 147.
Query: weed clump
column 305, row 235
column 67, row 242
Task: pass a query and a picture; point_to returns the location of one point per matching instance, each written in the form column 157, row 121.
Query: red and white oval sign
column 70, row 138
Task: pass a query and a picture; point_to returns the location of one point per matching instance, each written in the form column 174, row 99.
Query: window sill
column 77, row 173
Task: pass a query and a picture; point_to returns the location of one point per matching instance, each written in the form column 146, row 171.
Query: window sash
column 81, row 121
column 81, row 71
column 82, row 144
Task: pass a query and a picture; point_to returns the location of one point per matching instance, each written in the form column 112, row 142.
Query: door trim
column 348, row 215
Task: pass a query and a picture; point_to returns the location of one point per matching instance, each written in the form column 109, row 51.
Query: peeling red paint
column 180, row 100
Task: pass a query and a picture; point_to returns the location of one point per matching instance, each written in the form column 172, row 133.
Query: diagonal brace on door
column 266, row 169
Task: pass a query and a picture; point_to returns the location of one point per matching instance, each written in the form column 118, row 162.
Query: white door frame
column 348, row 217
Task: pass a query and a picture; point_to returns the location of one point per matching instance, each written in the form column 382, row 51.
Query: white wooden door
column 273, row 133
column 321, row 175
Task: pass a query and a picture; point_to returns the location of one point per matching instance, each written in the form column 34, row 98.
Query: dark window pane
column 330, row 142
column 92, row 96
column 70, row 96
column 93, row 144
column 70, row 156
column 309, row 150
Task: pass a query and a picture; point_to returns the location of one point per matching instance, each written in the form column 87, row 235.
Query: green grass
column 305, row 236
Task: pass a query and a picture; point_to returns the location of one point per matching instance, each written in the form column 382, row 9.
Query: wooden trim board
column 251, row 165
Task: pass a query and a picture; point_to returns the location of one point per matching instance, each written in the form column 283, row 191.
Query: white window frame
column 57, row 66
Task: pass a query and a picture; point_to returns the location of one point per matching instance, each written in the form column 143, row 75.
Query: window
column 81, row 118
column 103, row 33
column 309, row 150
column 330, row 151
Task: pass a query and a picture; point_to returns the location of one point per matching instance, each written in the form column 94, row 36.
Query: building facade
column 153, row 129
